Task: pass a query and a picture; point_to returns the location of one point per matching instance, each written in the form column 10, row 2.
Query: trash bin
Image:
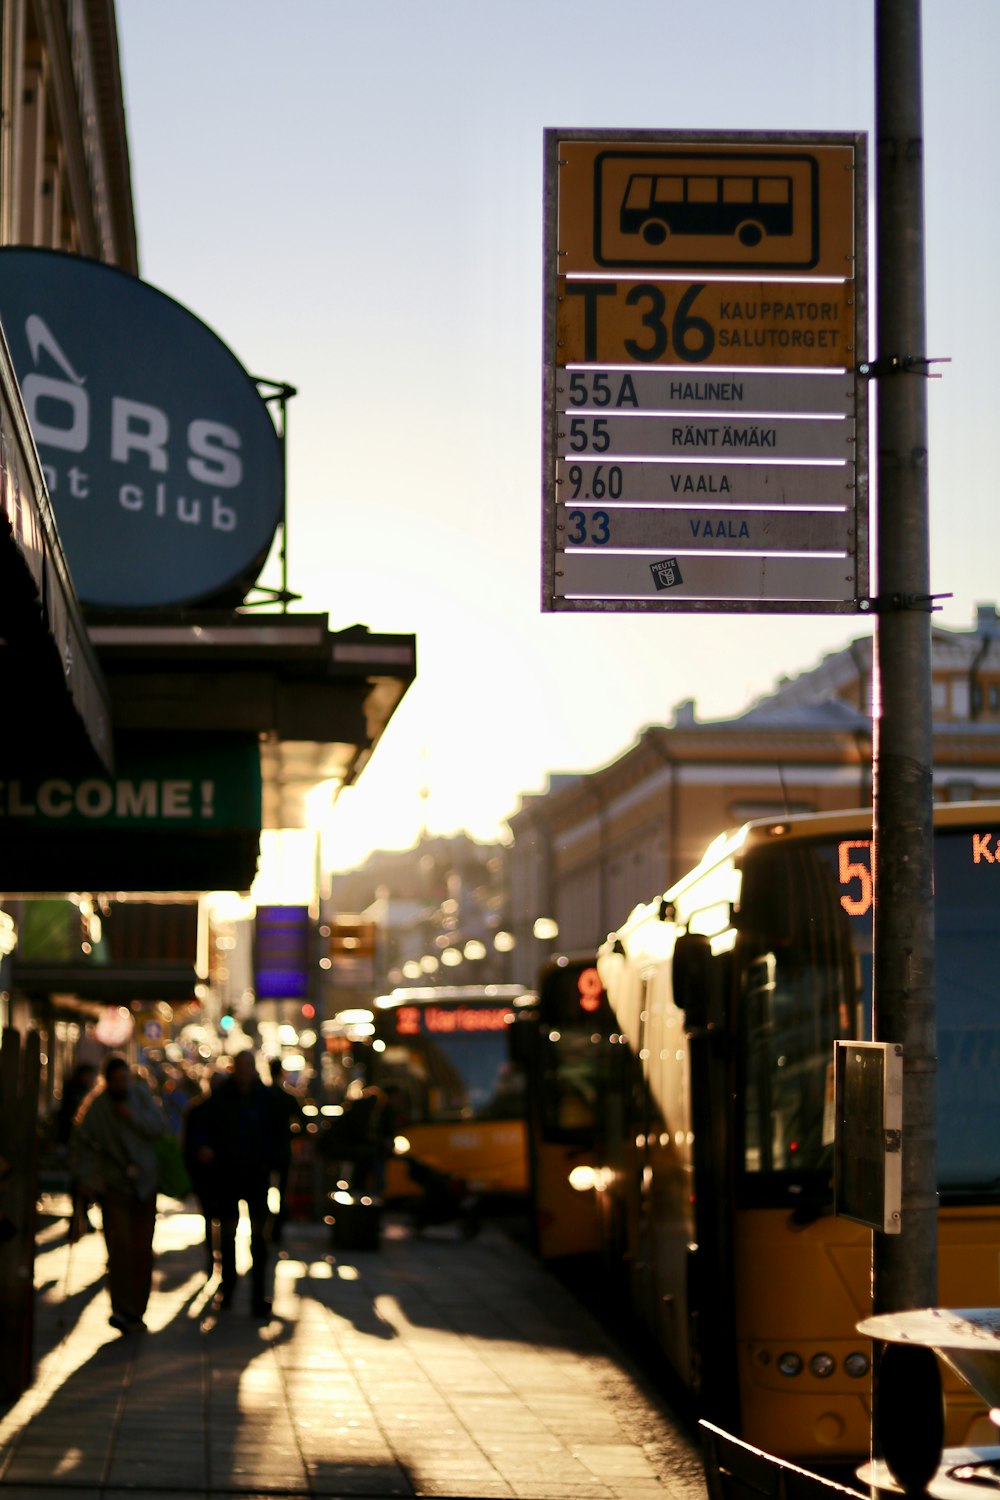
column 354, row 1222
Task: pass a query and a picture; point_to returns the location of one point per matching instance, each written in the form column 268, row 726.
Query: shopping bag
column 174, row 1179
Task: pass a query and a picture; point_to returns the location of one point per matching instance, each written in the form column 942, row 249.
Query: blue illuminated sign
column 281, row 953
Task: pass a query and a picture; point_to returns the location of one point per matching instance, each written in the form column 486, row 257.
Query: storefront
column 158, row 726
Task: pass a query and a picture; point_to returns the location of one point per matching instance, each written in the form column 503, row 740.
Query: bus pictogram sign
column 746, row 207
column 705, row 424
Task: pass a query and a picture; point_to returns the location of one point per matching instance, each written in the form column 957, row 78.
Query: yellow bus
column 567, row 1063
column 715, row 1178
column 448, row 1054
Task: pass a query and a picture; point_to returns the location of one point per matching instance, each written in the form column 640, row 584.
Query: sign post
column 705, row 427
column 905, row 1265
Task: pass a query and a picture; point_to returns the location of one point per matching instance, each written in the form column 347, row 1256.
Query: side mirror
column 521, row 1041
column 693, row 978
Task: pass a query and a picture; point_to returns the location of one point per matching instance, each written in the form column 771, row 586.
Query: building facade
column 151, row 734
column 65, row 184
column 436, row 910
column 64, row 161
column 590, row 848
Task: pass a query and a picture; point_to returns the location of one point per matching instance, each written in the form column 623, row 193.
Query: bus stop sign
column 705, row 428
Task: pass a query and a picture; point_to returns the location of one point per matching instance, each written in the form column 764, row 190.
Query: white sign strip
column 678, row 575
column 604, row 391
column 704, row 529
column 583, row 481
column 679, row 437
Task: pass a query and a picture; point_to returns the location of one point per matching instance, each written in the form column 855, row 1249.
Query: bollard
column 355, row 1222
column 20, row 1070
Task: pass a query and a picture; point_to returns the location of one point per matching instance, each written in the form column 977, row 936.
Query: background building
column 591, row 847
column 436, row 912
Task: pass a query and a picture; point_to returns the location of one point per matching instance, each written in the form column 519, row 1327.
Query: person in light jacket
column 113, row 1157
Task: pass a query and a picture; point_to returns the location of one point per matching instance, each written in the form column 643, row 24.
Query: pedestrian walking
column 195, row 1145
column 366, row 1142
column 240, row 1146
column 75, row 1089
column 287, row 1115
column 113, row 1158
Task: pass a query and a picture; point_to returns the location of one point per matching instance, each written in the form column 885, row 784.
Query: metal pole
column 905, row 1265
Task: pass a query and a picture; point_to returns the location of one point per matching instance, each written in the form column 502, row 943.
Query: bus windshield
column 805, row 974
column 574, row 1022
column 450, row 1061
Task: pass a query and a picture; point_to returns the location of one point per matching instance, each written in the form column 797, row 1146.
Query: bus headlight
column 790, row 1363
column 857, row 1365
column 822, row 1366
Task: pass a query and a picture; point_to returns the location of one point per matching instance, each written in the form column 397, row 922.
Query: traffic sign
column 731, row 323
column 655, row 528
column 699, row 575
column 632, row 436
column 715, row 205
column 718, row 484
column 627, row 388
column 705, row 425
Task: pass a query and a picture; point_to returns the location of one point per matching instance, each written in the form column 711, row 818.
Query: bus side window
column 757, row 1103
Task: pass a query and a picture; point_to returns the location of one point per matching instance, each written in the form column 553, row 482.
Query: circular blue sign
column 162, row 461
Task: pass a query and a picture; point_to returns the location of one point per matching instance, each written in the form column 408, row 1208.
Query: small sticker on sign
column 666, row 574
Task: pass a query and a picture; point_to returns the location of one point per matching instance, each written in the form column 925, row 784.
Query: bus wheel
column 750, row 234
column 654, row 232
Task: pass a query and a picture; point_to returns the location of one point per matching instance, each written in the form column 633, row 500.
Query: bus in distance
column 451, row 1056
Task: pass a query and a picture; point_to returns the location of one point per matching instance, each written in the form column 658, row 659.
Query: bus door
column 803, row 1276
column 667, row 1218
column 703, row 985
column 568, row 1073
column 639, row 1181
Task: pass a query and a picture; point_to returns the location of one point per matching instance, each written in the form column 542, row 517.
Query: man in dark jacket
column 240, row 1145
column 194, row 1138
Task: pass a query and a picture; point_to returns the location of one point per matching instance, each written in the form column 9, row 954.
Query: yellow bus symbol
column 698, row 203
column 713, row 210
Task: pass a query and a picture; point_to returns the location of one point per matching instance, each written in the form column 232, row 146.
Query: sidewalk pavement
column 433, row 1366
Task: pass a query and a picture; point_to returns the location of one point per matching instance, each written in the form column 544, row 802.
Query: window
column 703, row 189
column 737, row 190
column 669, row 189
column 774, row 190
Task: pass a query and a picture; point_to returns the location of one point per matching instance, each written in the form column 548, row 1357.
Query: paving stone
column 438, row 1368
column 39, row 1492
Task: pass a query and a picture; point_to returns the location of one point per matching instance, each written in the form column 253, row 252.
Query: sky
column 350, row 196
